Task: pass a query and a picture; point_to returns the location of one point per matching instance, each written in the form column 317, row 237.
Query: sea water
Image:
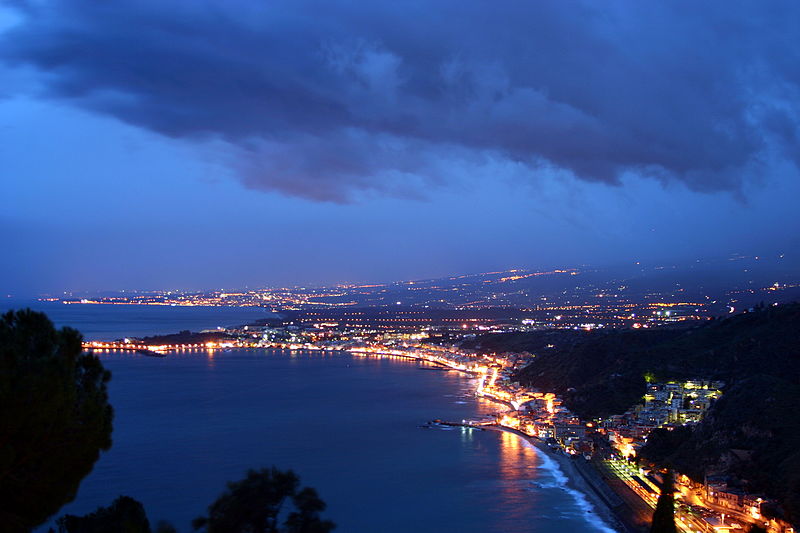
column 349, row 426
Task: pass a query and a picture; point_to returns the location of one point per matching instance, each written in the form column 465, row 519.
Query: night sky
column 210, row 144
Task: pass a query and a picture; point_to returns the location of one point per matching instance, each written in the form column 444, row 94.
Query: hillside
column 187, row 337
column 751, row 434
column 603, row 372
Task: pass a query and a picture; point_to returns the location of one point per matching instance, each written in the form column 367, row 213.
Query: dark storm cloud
column 324, row 99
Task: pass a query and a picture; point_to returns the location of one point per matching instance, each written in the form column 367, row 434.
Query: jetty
column 142, row 349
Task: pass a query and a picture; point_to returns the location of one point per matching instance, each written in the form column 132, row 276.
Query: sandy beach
column 574, row 482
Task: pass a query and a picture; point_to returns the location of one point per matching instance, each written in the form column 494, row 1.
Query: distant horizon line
column 371, row 283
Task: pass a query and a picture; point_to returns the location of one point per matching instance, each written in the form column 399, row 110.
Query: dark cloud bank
column 326, row 99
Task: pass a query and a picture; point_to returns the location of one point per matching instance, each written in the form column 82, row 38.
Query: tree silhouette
column 54, row 417
column 664, row 515
column 256, row 505
column 124, row 515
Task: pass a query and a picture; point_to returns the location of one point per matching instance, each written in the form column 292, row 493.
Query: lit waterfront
column 349, row 425
column 697, row 509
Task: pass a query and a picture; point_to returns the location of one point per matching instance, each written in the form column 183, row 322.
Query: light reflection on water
column 188, row 423
column 517, row 471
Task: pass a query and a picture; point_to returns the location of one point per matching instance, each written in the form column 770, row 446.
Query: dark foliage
column 602, row 372
column 187, row 337
column 54, row 417
column 664, row 515
column 598, row 373
column 256, row 504
column 751, row 434
column 165, row 527
column 124, row 515
column 534, row 342
column 662, row 443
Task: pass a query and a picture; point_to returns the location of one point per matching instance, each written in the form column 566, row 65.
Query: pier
column 124, row 346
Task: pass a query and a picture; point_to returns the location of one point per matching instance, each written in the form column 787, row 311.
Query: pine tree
column 664, row 515
column 255, row 505
column 124, row 515
column 55, row 418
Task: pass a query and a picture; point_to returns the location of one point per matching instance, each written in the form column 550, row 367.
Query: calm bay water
column 349, row 426
column 109, row 322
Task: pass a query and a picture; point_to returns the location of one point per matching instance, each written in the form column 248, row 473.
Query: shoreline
column 573, row 481
column 598, row 512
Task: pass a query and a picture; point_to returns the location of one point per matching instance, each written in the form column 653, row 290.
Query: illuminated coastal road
column 639, row 495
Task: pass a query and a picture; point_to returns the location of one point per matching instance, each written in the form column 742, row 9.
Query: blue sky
column 223, row 144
